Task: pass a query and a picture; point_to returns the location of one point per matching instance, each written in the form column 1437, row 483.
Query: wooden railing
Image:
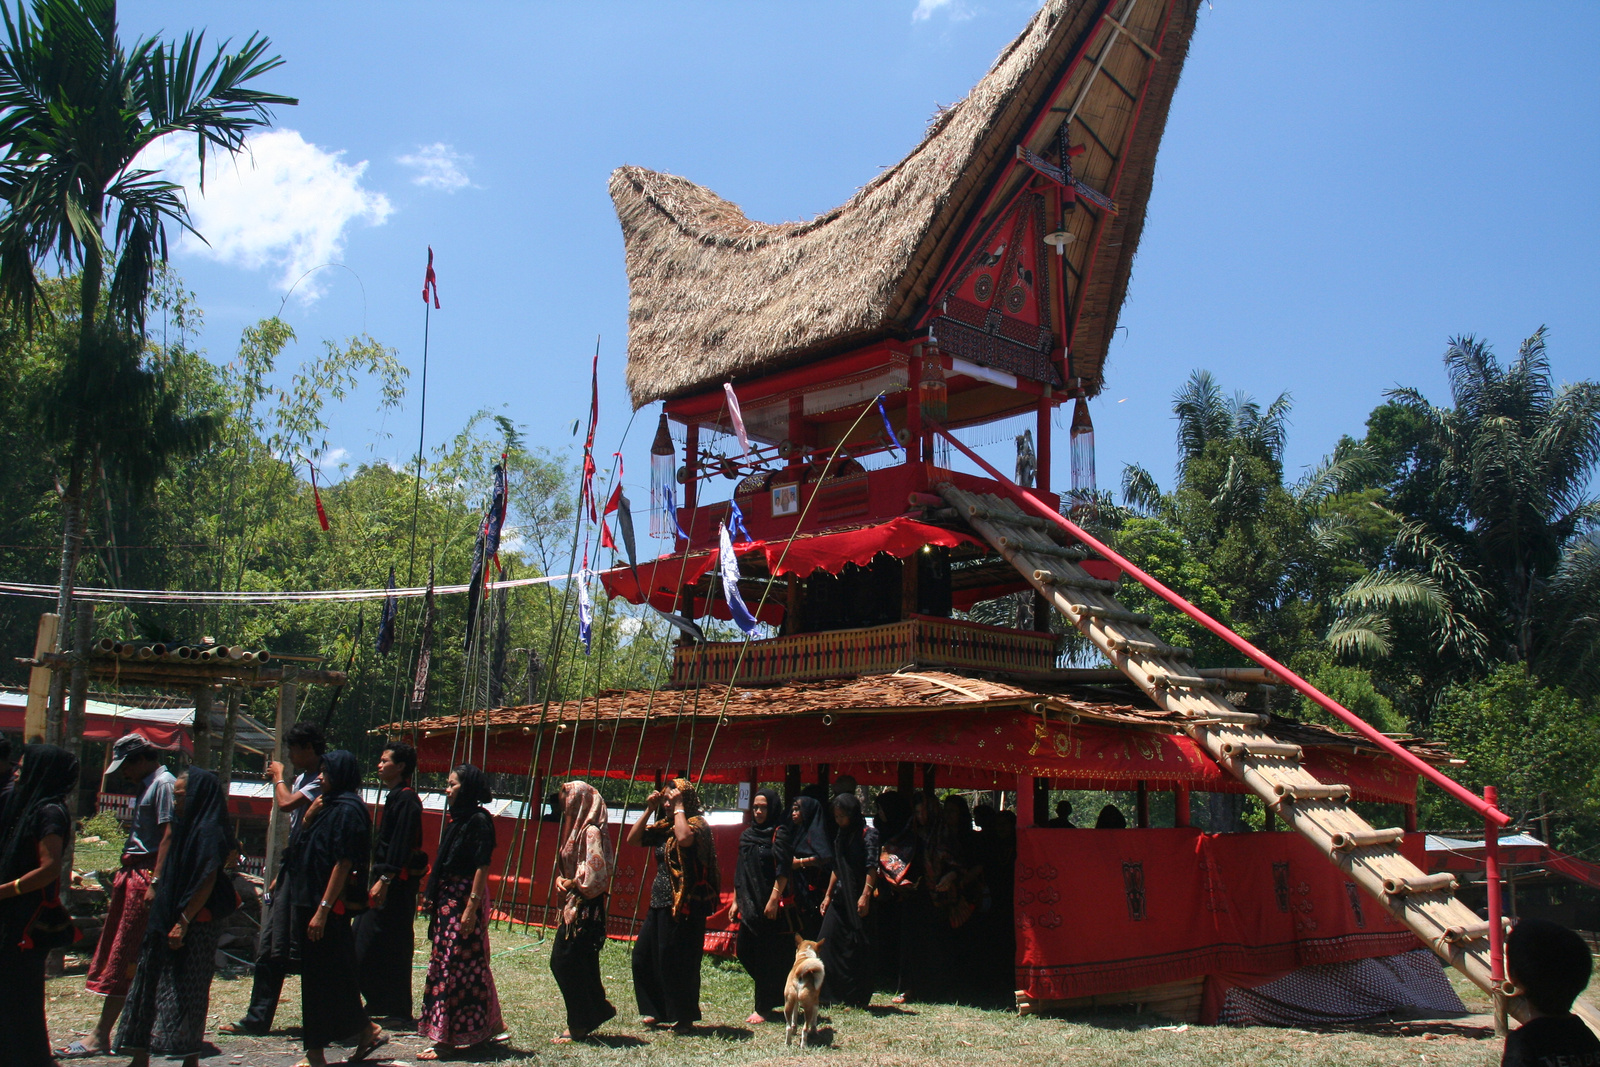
column 920, row 641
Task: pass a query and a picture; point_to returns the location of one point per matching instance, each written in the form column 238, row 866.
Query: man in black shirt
column 1551, row 965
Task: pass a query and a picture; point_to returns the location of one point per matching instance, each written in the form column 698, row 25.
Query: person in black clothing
column 765, row 945
column 891, row 814
column 812, row 865
column 325, row 873
column 666, row 957
column 34, row 831
column 584, row 862
column 1551, row 965
column 1111, row 818
column 846, row 933
column 1063, row 819
column 385, row 932
column 167, row 1005
column 460, row 1004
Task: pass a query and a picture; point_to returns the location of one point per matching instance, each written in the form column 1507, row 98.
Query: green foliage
column 1539, row 745
column 1353, row 688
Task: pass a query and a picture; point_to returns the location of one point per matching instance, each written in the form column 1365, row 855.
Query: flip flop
column 78, row 1050
column 368, row 1047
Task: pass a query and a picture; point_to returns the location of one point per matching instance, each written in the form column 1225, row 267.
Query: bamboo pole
column 202, row 726
column 230, row 736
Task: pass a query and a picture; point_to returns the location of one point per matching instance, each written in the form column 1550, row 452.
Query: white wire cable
column 178, row 596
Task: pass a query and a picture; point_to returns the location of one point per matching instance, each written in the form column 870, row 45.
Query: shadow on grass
column 879, row 1011
column 721, row 1033
column 611, row 1040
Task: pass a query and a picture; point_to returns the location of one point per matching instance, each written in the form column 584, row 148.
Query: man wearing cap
column 133, row 889
column 277, row 951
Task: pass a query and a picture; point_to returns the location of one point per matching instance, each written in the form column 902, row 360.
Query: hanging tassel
column 932, row 393
column 1084, row 490
column 663, row 477
column 322, row 516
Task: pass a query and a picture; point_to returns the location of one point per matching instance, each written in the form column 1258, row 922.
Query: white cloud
column 926, row 9
column 283, row 203
column 438, row 166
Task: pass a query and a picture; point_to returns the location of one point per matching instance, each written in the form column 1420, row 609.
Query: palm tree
column 1507, row 473
column 76, row 109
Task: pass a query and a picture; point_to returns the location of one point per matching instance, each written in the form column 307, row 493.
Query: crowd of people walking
column 898, row 903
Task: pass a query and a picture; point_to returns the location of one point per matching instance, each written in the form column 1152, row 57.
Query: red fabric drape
column 1102, row 911
column 111, row 727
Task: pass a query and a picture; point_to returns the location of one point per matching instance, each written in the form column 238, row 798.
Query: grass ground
column 914, row 1036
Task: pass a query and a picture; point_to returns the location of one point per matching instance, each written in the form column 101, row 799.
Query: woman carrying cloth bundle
column 460, row 1007
column 583, row 877
column 325, row 866
column 34, row 830
column 171, row 993
column 666, row 957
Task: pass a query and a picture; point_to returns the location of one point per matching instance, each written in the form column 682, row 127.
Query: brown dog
column 802, row 993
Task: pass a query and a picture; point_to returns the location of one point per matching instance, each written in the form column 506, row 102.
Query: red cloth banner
column 1104, row 911
column 972, row 749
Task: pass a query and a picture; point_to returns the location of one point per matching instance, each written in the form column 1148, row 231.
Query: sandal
column 78, row 1050
column 428, row 1055
column 241, row 1029
column 371, row 1044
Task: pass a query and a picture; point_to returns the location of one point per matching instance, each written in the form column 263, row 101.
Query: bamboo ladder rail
column 1317, row 810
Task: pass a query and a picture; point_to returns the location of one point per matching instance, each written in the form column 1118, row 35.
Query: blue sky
column 1341, row 187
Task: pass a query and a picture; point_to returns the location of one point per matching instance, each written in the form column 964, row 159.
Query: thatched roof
column 715, row 296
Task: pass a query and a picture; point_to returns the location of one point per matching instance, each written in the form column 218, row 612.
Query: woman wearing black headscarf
column 686, row 890
column 34, row 830
column 846, row 931
column 765, row 945
column 171, row 993
column 460, row 1007
column 812, row 864
column 892, row 813
column 325, row 864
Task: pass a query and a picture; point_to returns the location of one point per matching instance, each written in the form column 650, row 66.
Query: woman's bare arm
column 48, row 871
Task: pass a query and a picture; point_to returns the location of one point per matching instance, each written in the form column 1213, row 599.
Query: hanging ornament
column 1081, row 437
column 663, row 472
column 932, row 393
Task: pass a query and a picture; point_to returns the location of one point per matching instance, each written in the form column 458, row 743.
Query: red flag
column 588, row 443
column 611, row 505
column 322, row 516
column 430, row 281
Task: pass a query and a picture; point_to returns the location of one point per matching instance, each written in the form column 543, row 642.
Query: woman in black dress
column 171, row 993
column 34, row 830
column 666, row 957
column 765, row 945
column 326, row 871
column 386, row 932
column 847, row 909
column 812, row 864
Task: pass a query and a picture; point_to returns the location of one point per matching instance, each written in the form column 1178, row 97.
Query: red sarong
column 116, row 956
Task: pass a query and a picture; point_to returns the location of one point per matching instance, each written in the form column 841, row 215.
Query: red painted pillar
column 1180, row 806
column 1042, row 442
column 1491, row 871
column 914, row 410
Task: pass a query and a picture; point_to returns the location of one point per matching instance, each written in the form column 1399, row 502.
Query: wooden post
column 230, row 736
column 1041, row 802
column 34, row 719
column 1141, row 806
column 909, row 571
column 1180, row 806
column 1041, row 477
column 824, row 776
column 908, row 778
column 277, row 822
column 929, row 779
column 202, row 726
column 753, row 776
column 1411, row 819
column 791, row 785
column 78, row 704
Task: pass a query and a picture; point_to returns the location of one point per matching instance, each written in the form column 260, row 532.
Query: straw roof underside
column 715, row 296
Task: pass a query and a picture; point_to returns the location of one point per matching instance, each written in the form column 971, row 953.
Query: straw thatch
column 715, row 296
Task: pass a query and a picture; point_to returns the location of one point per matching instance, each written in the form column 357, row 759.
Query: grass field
column 915, row 1036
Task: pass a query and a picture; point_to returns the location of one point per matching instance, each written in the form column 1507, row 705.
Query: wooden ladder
column 1271, row 769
